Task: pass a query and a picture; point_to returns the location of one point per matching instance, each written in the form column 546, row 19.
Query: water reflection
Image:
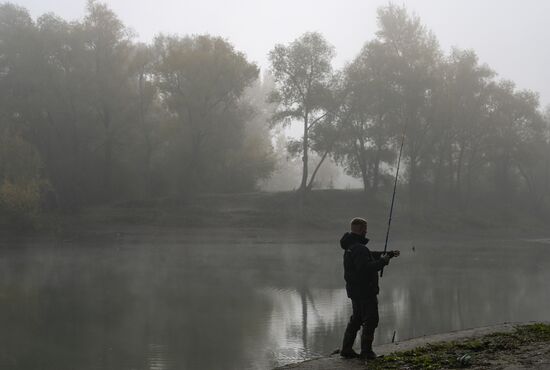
column 158, row 357
column 299, row 319
column 243, row 304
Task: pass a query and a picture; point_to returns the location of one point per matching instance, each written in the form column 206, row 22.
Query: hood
column 349, row 239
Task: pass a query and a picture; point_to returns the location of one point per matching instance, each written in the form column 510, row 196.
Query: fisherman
column 361, row 268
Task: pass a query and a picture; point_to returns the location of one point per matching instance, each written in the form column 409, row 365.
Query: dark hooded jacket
column 361, row 267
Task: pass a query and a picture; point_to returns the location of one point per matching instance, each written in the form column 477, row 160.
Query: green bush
column 19, row 204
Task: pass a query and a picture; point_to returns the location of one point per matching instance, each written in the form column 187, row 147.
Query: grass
column 474, row 352
column 323, row 210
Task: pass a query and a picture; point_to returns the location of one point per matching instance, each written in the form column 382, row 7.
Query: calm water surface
column 246, row 303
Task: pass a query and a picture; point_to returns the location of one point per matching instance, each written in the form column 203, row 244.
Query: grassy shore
column 503, row 346
column 527, row 346
column 323, row 210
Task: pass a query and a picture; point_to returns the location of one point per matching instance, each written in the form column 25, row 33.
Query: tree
column 19, row 63
column 149, row 110
column 372, row 105
column 459, row 106
column 303, row 74
column 257, row 149
column 109, row 45
column 516, row 125
column 202, row 79
column 413, row 54
column 21, row 183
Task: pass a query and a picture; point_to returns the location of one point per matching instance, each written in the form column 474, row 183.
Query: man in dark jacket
column 361, row 268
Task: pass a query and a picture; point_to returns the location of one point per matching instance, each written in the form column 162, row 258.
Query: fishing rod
column 393, row 195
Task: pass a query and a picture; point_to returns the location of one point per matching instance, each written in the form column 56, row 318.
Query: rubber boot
column 347, row 344
column 367, row 337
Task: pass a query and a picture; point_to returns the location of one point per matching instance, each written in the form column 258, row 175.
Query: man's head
column 359, row 226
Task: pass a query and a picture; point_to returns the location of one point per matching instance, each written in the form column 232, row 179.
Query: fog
column 509, row 35
column 192, row 185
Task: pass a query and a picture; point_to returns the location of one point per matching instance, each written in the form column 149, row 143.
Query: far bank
column 322, row 211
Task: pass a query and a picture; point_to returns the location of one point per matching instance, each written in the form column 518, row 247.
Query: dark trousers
column 365, row 314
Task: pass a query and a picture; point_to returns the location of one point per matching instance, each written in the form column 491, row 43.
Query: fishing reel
column 392, row 254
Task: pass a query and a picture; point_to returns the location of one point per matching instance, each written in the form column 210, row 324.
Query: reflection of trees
column 459, row 285
column 303, row 296
column 441, row 287
column 104, row 309
column 306, row 297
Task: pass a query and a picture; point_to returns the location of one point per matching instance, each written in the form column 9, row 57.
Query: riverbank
column 324, row 211
column 506, row 346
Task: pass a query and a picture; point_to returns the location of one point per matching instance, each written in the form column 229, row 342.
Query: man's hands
column 394, row 254
column 389, row 255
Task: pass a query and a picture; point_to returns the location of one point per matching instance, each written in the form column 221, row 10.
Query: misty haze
column 252, row 185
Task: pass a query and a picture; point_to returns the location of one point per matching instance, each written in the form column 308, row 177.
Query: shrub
column 19, row 204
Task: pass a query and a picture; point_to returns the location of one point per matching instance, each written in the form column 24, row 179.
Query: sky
column 511, row 36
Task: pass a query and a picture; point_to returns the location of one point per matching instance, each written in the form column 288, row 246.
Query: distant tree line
column 467, row 134
column 89, row 115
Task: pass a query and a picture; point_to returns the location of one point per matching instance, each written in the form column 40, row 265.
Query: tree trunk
column 310, row 185
column 502, row 181
column 194, row 173
column 71, row 198
column 450, row 172
column 303, row 185
column 469, row 175
column 360, row 153
column 148, row 178
column 458, row 185
column 376, row 170
column 412, row 181
column 108, row 154
column 438, row 175
column 365, row 178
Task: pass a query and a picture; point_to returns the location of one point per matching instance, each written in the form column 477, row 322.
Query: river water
column 243, row 303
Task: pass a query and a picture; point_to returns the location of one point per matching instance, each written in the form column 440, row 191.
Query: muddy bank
column 504, row 346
